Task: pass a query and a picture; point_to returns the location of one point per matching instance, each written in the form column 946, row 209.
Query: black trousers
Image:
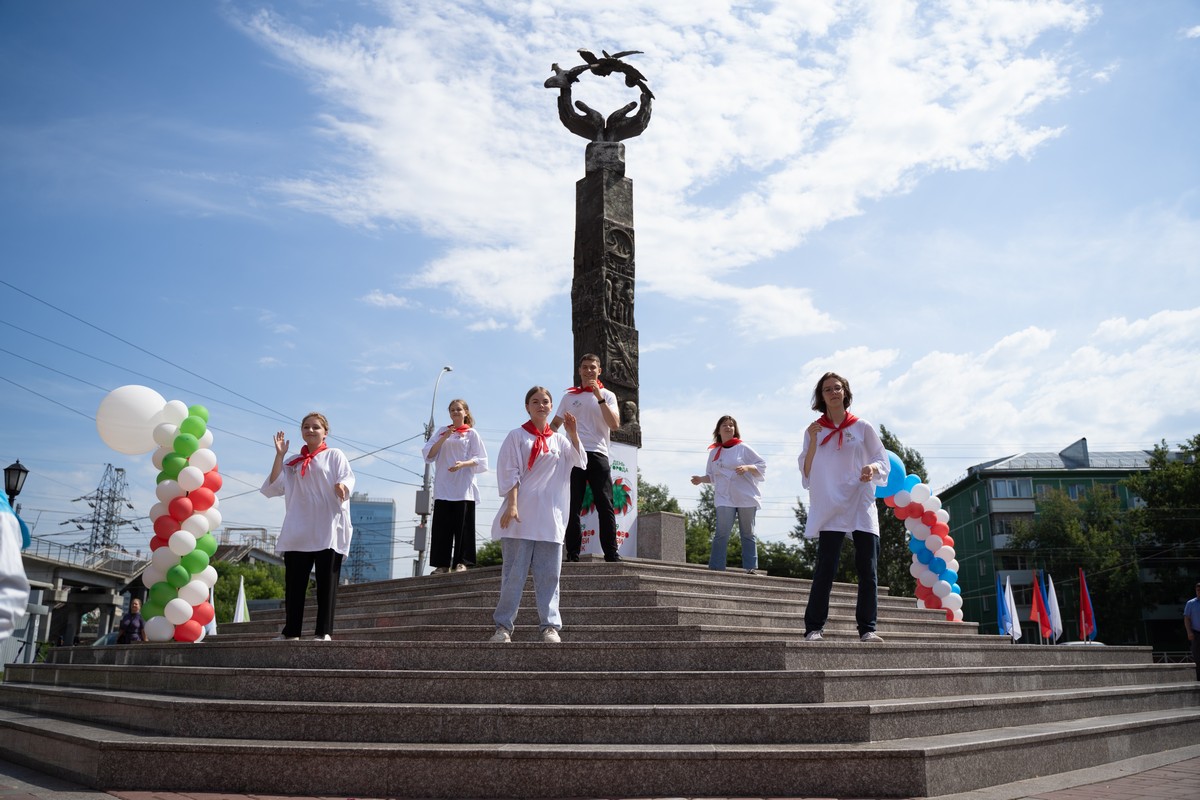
column 598, row 475
column 297, row 565
column 866, row 562
column 453, row 536
column 1196, row 653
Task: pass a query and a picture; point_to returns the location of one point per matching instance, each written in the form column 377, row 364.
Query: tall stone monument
column 602, row 290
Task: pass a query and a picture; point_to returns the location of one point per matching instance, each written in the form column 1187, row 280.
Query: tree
column 701, row 524
column 263, row 582
column 1095, row 534
column 489, row 555
column 653, row 497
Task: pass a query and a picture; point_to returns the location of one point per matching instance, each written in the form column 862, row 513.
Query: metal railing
column 1172, row 657
column 108, row 559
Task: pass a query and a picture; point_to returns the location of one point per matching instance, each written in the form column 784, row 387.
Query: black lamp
column 14, row 480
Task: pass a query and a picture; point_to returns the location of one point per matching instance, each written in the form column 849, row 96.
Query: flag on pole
column 1001, row 608
column 1056, row 626
column 211, row 628
column 1087, row 619
column 1014, row 618
column 241, row 612
column 1037, row 609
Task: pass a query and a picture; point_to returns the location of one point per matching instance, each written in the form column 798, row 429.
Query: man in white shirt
column 596, row 409
column 14, row 587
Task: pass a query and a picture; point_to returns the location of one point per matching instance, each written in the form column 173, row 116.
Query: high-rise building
column 371, row 548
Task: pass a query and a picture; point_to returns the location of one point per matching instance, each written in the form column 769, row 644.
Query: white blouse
column 545, row 490
column 314, row 519
column 837, row 499
column 460, row 485
column 729, row 488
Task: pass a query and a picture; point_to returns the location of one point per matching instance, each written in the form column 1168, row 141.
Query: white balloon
column 934, row 503
column 207, row 439
column 168, row 490
column 933, row 542
column 157, row 510
column 203, row 633
column 181, row 543
column 945, row 553
column 195, row 592
column 126, row 418
column 164, row 436
column 190, row 479
column 179, row 611
column 160, row 629
column 164, row 559
column 927, row 578
column 952, row 601
column 920, row 493
column 175, row 412
column 196, row 525
column 203, row 459
column 213, row 516
column 159, row 455
column 941, row 589
column 208, row 575
column 920, row 531
column 915, row 567
column 902, row 498
column 911, row 523
column 958, row 615
column 954, row 566
column 943, row 516
column 152, row 574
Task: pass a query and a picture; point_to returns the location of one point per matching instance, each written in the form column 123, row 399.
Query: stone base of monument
column 671, row 680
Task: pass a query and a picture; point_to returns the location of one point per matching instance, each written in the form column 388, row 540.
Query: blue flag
column 1002, row 621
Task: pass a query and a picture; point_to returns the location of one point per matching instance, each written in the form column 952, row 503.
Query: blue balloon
column 956, row 589
column 924, row 556
column 910, row 481
column 915, row 545
column 950, row 576
column 895, row 481
column 938, row 566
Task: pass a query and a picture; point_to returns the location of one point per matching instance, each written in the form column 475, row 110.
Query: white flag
column 241, row 612
column 1055, row 616
column 1014, row 621
column 211, row 628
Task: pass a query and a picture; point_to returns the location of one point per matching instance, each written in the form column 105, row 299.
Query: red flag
column 1087, row 619
column 1037, row 610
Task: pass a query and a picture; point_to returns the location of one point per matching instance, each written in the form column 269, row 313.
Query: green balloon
column 162, row 593
column 185, row 444
column 193, row 425
column 163, row 476
column 198, row 411
column 151, row 609
column 194, row 561
column 172, row 463
column 208, row 544
column 178, row 576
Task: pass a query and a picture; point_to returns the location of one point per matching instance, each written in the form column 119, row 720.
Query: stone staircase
column 671, row 680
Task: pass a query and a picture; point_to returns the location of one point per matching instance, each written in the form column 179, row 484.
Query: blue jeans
column 545, row 559
column 866, row 562
column 720, row 542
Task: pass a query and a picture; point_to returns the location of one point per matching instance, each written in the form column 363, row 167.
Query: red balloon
column 202, row 498
column 157, row 542
column 933, row 602
column 947, row 539
column 189, row 631
column 203, row 613
column 180, row 508
column 949, row 615
column 165, row 525
column 923, row 591
column 212, row 480
column 941, row 529
column 915, row 509
column 889, row 501
column 901, row 512
column 929, row 518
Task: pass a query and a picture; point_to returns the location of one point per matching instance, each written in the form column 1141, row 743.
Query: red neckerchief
column 581, row 390
column 461, row 430
column 722, row 446
column 305, row 457
column 541, row 441
column 826, row 422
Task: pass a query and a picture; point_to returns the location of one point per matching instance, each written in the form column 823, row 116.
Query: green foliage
column 701, row 523
column 263, row 582
column 489, row 555
column 1098, row 536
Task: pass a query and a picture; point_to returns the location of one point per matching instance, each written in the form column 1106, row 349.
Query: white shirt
column 314, row 518
column 459, row 485
column 545, row 490
column 593, row 430
column 729, row 488
column 837, row 499
column 14, row 586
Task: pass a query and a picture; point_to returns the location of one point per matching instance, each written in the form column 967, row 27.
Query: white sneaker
column 325, row 638
column 460, row 567
column 813, row 636
column 551, row 635
column 501, row 636
column 870, row 636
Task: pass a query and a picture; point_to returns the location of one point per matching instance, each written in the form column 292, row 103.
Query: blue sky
column 984, row 214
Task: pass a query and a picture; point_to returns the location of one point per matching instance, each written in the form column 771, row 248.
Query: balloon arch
column 134, row 420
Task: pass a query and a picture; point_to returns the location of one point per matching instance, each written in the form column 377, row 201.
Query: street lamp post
column 14, row 482
column 424, row 496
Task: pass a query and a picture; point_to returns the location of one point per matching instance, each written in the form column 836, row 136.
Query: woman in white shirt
column 841, row 463
column 735, row 471
column 459, row 454
column 533, row 474
column 316, row 487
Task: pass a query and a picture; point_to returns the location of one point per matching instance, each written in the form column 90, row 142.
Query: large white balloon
column 196, row 525
column 943, row 516
column 181, row 543
column 920, row 493
column 126, row 419
column 941, row 589
column 195, row 592
column 206, row 440
column 203, row 460
column 168, row 490
column 933, row 542
column 190, row 479
column 927, row 578
column 208, row 575
column 160, row 629
column 174, row 412
column 958, row 615
column 153, row 574
column 945, row 553
column 158, row 509
column 934, row 503
column 164, row 435
column 953, row 565
column 164, row 559
column 952, row 601
column 213, row 516
column 179, row 611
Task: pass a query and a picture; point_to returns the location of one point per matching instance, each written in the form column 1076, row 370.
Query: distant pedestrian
column 735, row 472
column 533, row 474
column 316, row 531
column 458, row 451
column 132, row 629
column 1191, row 623
column 841, row 462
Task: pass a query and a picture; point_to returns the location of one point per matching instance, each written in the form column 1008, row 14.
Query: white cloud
column 1192, row 33
column 799, row 113
column 380, row 299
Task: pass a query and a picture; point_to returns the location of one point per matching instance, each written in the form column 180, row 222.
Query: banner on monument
column 623, row 460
